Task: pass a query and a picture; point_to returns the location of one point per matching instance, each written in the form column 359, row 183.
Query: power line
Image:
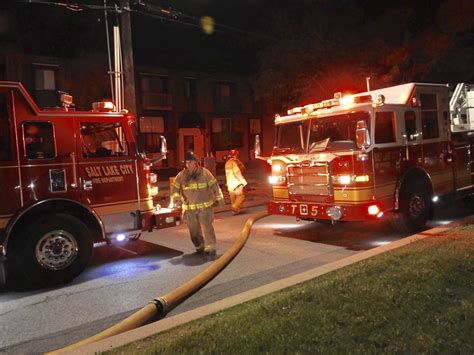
column 157, row 12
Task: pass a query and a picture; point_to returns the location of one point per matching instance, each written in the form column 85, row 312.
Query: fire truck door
column 9, row 172
column 46, row 154
column 412, row 138
column 107, row 171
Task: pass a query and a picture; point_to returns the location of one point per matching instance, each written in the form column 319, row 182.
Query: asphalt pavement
column 259, row 192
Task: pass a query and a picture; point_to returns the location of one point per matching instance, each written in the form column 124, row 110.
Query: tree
column 325, row 47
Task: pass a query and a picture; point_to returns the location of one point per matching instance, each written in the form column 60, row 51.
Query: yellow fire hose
column 160, row 306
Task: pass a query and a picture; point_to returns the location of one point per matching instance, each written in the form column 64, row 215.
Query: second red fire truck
column 68, row 180
column 356, row 157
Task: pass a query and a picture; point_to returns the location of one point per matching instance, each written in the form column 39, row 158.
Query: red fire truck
column 68, row 180
column 355, row 157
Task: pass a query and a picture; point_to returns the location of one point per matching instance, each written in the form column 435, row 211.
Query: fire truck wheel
column 57, row 248
column 415, row 206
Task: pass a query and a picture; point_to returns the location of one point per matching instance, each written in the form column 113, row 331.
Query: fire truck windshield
column 291, row 137
column 335, row 132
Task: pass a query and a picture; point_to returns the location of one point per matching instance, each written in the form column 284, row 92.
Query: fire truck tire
column 415, row 206
column 56, row 249
column 326, row 222
column 468, row 202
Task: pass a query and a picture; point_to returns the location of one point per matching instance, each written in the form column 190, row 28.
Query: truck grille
column 309, row 180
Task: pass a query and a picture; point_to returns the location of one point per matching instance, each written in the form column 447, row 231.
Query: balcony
column 157, row 101
column 227, row 140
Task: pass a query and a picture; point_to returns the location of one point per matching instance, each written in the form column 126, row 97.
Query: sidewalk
column 258, row 190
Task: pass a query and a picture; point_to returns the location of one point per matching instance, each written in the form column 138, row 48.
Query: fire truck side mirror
column 362, row 135
column 164, row 147
column 257, row 146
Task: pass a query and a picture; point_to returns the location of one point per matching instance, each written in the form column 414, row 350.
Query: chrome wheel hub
column 416, row 205
column 56, row 250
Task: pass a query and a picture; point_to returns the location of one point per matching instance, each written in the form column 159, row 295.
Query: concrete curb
column 179, row 319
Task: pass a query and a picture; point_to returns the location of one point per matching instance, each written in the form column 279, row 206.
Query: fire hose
column 160, row 306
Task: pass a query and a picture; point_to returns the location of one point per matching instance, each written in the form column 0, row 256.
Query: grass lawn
column 415, row 299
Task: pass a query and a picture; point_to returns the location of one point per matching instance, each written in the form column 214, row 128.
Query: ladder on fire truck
column 461, row 106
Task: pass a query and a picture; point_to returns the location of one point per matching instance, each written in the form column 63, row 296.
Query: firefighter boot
column 198, row 244
column 210, row 252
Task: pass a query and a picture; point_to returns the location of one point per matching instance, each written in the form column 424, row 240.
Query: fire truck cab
column 68, row 179
column 356, row 157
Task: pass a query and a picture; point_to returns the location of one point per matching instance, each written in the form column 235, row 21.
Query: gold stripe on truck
column 280, row 192
column 384, row 191
column 353, row 195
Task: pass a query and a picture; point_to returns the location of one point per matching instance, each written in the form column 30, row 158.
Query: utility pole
column 130, row 102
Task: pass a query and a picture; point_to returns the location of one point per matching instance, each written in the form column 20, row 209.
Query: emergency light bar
column 339, row 100
column 312, row 107
column 103, row 106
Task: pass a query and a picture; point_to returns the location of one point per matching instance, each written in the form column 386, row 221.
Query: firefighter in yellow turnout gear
column 197, row 190
column 236, row 182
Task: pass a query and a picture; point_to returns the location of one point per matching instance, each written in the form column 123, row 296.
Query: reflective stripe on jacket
column 198, row 189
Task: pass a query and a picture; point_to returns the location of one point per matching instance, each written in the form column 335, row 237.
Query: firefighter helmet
column 233, row 153
column 190, row 156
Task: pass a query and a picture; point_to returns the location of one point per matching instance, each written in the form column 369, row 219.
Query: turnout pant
column 237, row 198
column 200, row 228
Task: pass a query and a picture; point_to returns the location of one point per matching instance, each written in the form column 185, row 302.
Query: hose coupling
column 161, row 306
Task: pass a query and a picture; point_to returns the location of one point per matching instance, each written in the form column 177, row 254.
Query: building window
column 429, row 116
column 190, row 91
column 154, row 84
column 190, row 87
column 384, row 127
column 150, row 124
column 221, row 124
column 45, row 79
column 151, row 130
column 225, row 97
column 155, row 93
column 45, row 85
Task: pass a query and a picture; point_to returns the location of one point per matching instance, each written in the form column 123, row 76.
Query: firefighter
column 197, row 190
column 236, row 182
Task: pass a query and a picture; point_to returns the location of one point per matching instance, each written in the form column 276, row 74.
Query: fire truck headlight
column 435, row 199
column 276, row 179
column 334, row 212
column 344, row 179
column 277, row 168
column 120, row 237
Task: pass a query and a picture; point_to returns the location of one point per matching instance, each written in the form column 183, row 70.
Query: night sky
column 292, row 50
